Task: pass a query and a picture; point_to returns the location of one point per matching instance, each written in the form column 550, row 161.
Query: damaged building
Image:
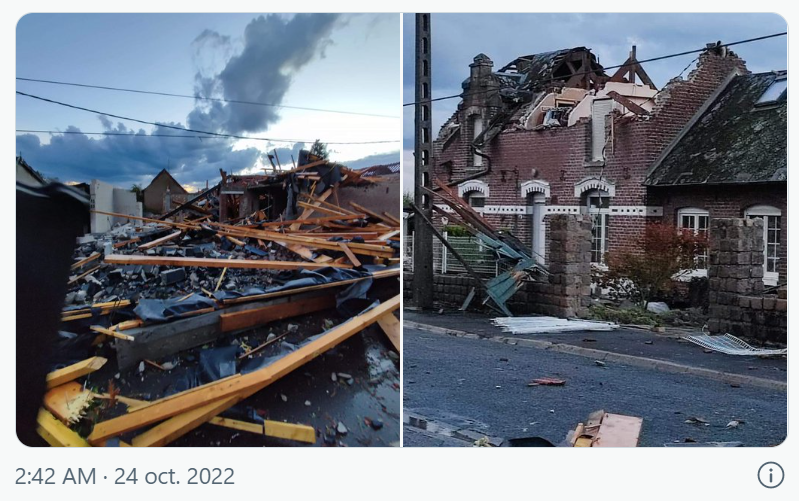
column 273, row 296
column 554, row 134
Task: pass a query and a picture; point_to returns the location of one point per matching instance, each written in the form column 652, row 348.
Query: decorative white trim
column 594, row 183
column 535, row 186
column 562, row 209
column 634, row 210
column 473, row 185
column 613, row 210
column 762, row 210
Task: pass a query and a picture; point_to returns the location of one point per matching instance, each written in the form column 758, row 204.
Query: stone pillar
column 736, row 269
column 570, row 264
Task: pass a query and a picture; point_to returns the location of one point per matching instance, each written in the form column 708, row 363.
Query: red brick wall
column 728, row 201
column 559, row 155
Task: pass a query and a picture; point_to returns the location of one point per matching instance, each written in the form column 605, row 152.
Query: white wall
column 108, row 198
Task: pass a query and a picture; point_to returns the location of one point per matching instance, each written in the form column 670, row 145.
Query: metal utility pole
column 423, row 159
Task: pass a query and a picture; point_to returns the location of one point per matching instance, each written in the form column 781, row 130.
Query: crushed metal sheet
column 731, row 345
column 544, row 325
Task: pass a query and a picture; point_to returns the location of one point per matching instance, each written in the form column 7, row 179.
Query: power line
column 175, row 127
column 202, row 98
column 659, row 58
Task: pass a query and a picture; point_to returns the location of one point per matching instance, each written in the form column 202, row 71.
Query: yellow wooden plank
column 392, row 328
column 109, row 332
column 235, row 424
column 178, row 426
column 289, row 431
column 74, row 371
column 56, row 433
column 215, row 263
column 159, row 241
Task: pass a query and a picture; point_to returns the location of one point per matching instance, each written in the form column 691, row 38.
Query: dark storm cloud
column 125, row 160
column 457, row 38
column 275, row 48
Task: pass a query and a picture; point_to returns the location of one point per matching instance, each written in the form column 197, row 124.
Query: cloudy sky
column 328, row 61
column 457, row 38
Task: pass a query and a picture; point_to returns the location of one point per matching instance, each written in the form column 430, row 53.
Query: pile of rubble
column 176, row 321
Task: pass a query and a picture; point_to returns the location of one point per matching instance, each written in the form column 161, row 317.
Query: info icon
column 770, row 475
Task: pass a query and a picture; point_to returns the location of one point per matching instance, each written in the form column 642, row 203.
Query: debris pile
column 175, row 321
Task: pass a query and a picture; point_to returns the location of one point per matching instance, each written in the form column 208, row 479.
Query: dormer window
column 774, row 93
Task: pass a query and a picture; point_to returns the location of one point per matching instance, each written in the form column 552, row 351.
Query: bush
column 662, row 252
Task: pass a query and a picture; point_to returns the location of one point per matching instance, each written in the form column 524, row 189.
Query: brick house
column 155, row 192
column 552, row 133
column 730, row 161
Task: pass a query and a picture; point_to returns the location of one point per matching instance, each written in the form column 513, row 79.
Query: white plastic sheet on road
column 731, row 345
column 544, row 325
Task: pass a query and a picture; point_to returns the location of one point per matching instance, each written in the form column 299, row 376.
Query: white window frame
column 767, row 212
column 473, row 194
column 599, row 215
column 695, row 213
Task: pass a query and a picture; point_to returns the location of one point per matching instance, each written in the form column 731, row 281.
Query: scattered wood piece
column 278, row 429
column 546, row 381
column 262, row 346
column 109, row 332
column 159, row 241
column 86, row 260
column 74, row 371
column 213, row 263
column 250, row 318
column 76, row 317
column 350, row 255
column 211, row 399
column 392, row 328
column 84, row 274
column 56, row 433
column 68, row 402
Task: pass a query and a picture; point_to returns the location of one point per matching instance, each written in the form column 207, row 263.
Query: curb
column 609, row 356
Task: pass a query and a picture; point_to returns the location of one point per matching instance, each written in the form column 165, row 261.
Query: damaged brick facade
column 553, row 165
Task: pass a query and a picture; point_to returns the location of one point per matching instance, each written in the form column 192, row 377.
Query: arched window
column 475, row 199
column 696, row 220
column 597, row 203
column 474, row 192
column 772, row 228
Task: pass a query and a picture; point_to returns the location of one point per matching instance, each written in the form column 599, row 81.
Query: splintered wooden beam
column 229, row 391
column 269, row 295
column 84, row 274
column 307, row 212
column 250, row 318
column 147, row 219
column 372, row 214
column 214, row 263
column 392, row 328
column 178, row 426
column 320, row 208
column 109, row 332
column 74, row 371
column 313, row 220
column 159, row 241
column 392, row 219
column 350, row 255
column 278, row 429
column 56, row 433
column 85, row 260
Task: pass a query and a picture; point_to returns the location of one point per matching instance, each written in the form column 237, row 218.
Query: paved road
column 625, row 341
column 482, row 385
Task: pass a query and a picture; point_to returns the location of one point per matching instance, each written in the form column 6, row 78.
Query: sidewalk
column 629, row 346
